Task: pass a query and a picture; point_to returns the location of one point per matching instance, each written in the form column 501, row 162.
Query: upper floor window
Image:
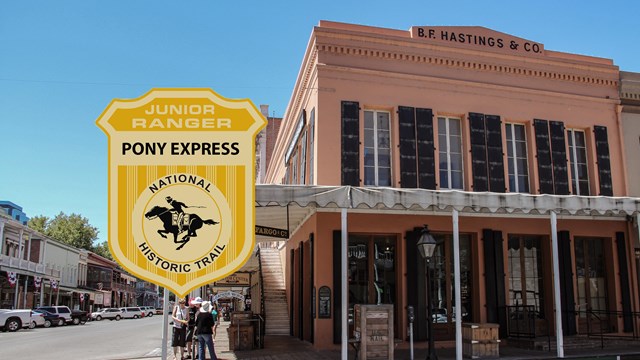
column 578, row 162
column 450, row 153
column 377, row 149
column 517, row 158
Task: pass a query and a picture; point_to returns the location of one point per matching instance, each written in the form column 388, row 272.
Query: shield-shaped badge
column 181, row 185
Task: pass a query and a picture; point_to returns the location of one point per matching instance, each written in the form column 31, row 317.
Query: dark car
column 50, row 319
column 79, row 317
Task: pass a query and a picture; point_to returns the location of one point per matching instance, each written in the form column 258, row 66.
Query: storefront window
column 443, row 295
column 525, row 273
column 372, row 269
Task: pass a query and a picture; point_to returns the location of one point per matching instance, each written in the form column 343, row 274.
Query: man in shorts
column 180, row 317
column 194, row 307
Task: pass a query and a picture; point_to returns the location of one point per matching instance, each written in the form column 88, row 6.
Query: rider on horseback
column 177, row 206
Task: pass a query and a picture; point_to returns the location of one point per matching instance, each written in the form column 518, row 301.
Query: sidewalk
column 289, row 348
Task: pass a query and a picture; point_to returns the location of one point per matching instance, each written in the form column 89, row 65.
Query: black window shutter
column 426, row 157
column 490, row 275
column 350, row 143
column 500, row 295
column 624, row 282
column 407, row 133
column 416, row 283
column 543, row 153
column 566, row 283
column 478, row 152
column 559, row 158
column 495, row 156
column 604, row 162
column 337, row 287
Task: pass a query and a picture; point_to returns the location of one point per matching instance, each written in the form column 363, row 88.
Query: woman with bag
column 204, row 330
column 180, row 316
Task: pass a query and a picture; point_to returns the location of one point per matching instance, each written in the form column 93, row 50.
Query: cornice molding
column 464, row 65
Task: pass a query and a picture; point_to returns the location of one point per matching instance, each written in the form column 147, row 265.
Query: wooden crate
column 374, row 323
column 246, row 337
column 480, row 341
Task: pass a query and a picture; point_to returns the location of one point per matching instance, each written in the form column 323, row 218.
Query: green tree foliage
column 102, row 249
column 73, row 230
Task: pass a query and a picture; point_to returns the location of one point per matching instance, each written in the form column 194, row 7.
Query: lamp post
column 426, row 246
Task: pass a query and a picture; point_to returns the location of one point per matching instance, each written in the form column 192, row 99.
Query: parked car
column 79, row 317
column 108, row 313
column 159, row 311
column 148, row 310
column 62, row 311
column 131, row 312
column 14, row 320
column 49, row 318
column 37, row 319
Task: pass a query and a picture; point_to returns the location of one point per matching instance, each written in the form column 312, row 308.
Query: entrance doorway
column 591, row 278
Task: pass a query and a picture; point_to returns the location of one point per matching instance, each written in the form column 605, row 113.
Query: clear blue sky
column 61, row 63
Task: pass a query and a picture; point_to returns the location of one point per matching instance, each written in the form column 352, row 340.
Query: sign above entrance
column 476, row 37
column 228, row 295
column 181, row 185
column 273, row 232
column 237, row 279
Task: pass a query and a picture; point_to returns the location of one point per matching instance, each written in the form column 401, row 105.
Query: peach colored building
column 481, row 123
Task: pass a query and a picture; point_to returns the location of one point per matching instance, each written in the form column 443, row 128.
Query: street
column 127, row 338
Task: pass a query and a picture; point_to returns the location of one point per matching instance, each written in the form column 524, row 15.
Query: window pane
column 384, row 176
column 520, row 132
column 369, row 175
column 383, row 139
column 456, row 179
column 369, row 159
column 521, row 149
column 444, row 179
column 383, row 159
column 383, row 121
column 455, row 144
column 368, row 138
column 508, row 130
column 442, row 126
column 454, row 127
column 368, row 119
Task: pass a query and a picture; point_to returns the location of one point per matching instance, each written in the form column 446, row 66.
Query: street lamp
column 426, row 246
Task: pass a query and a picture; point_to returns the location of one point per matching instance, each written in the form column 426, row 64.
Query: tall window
column 525, row 273
column 377, row 151
column 303, row 159
column 591, row 275
column 517, row 158
column 578, row 162
column 312, row 123
column 450, row 154
column 443, row 295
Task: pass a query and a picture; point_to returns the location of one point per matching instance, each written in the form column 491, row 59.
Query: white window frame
column 448, row 151
column 571, row 135
column 376, row 166
column 517, row 173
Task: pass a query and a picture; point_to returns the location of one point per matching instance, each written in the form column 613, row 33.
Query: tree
column 102, row 249
column 39, row 223
column 73, row 229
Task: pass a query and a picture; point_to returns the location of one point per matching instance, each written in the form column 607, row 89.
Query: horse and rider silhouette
column 172, row 227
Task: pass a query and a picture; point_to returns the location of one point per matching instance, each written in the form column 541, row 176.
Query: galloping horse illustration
column 166, row 215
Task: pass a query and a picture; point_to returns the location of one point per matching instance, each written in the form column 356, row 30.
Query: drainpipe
column 556, row 284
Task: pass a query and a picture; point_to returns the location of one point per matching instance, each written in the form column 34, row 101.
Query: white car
column 108, row 313
column 63, row 311
column 131, row 312
column 148, row 310
column 37, row 319
column 13, row 320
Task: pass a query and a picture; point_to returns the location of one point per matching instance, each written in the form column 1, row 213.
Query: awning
column 288, row 206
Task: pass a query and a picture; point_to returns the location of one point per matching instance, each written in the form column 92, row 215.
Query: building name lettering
column 479, row 40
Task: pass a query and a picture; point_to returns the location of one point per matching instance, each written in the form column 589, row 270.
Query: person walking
column 194, row 306
column 180, row 317
column 204, row 331
column 216, row 320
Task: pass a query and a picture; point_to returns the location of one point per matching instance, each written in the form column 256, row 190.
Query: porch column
column 30, row 236
column 456, row 282
column 20, row 246
column 343, row 267
column 24, row 299
column 556, row 284
column 1, row 237
column 17, row 290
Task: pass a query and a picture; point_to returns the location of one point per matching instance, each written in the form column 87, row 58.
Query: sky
column 62, row 62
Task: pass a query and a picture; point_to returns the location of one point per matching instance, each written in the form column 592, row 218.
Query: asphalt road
column 124, row 339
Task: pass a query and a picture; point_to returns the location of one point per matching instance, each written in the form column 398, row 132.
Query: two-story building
column 502, row 147
column 25, row 277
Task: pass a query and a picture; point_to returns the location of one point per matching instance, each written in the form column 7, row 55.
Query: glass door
column 591, row 280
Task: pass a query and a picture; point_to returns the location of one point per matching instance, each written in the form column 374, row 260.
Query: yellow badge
column 181, row 185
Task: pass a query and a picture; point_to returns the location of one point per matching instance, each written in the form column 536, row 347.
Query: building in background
column 14, row 211
column 468, row 121
column 265, row 142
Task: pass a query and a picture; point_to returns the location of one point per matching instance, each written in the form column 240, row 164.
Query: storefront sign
column 228, row 295
column 237, row 279
column 273, row 232
column 181, row 185
column 324, row 307
column 476, row 37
